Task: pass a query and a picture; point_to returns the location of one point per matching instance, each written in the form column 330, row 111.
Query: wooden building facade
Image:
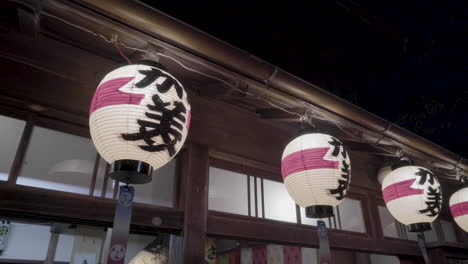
column 226, row 182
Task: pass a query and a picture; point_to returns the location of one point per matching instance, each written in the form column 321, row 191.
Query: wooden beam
column 42, row 204
column 21, row 151
column 270, row 231
column 196, row 204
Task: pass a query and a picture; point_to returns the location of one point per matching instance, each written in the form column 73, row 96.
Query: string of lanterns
column 316, row 170
column 139, row 120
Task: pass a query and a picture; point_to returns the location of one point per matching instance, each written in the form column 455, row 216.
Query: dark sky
column 402, row 60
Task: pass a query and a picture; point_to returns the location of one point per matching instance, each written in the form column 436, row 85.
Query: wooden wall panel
column 227, row 128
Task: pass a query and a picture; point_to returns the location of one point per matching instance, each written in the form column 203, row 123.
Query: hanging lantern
column 317, row 172
column 413, row 196
column 139, row 119
column 459, row 208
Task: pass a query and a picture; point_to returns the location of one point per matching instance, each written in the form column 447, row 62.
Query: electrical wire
column 303, row 118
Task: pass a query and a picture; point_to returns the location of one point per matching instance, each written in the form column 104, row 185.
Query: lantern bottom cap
column 131, row 171
column 419, row 227
column 319, row 211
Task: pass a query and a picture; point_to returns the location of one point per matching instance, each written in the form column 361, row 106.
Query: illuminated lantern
column 139, row 120
column 459, row 208
column 413, row 196
column 317, row 172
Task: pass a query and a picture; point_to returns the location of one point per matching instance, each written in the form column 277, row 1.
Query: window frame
column 35, row 120
column 265, row 171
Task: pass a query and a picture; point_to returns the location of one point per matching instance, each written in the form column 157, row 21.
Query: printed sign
column 4, row 230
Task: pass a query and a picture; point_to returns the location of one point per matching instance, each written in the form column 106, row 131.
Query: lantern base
column 419, row 227
column 131, row 171
column 319, row 211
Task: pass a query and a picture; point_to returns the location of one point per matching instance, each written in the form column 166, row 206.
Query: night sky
column 402, row 60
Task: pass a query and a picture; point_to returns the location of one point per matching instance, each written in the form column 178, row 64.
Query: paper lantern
column 139, row 119
column 459, row 208
column 317, row 172
column 384, row 171
column 413, row 196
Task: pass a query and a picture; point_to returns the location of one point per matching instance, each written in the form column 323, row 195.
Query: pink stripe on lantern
column 189, row 118
column 459, row 209
column 399, row 190
column 108, row 94
column 307, row 159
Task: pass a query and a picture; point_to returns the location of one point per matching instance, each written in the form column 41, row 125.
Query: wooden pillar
column 437, row 255
column 196, row 203
column 371, row 215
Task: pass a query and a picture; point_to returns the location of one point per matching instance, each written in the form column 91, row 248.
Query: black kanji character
column 344, row 154
column 167, row 118
column 341, row 190
column 152, row 75
column 343, row 185
column 435, row 202
column 425, row 175
column 337, row 146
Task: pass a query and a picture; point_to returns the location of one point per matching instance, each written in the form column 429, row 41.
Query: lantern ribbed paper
column 139, row 112
column 412, row 195
column 316, row 170
column 459, row 208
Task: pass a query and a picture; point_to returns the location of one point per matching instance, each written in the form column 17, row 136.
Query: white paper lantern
column 316, row 170
column 384, row 171
column 413, row 196
column 459, row 208
column 139, row 112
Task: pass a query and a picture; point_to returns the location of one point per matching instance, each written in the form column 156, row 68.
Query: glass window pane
column 100, row 175
column 58, row 161
column 259, row 197
column 278, row 204
column 309, row 221
column 389, row 224
column 135, row 244
column 411, row 235
column 31, row 238
column 64, row 250
column 448, row 230
column 252, row 196
column 10, row 136
column 351, row 215
column 431, row 235
column 383, row 259
column 227, row 191
column 160, row 190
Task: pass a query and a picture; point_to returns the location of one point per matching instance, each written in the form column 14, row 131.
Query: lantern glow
column 413, row 196
column 459, row 208
column 139, row 119
column 317, row 172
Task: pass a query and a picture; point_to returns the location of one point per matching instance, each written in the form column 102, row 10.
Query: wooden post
column 372, row 217
column 21, row 151
column 196, row 204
